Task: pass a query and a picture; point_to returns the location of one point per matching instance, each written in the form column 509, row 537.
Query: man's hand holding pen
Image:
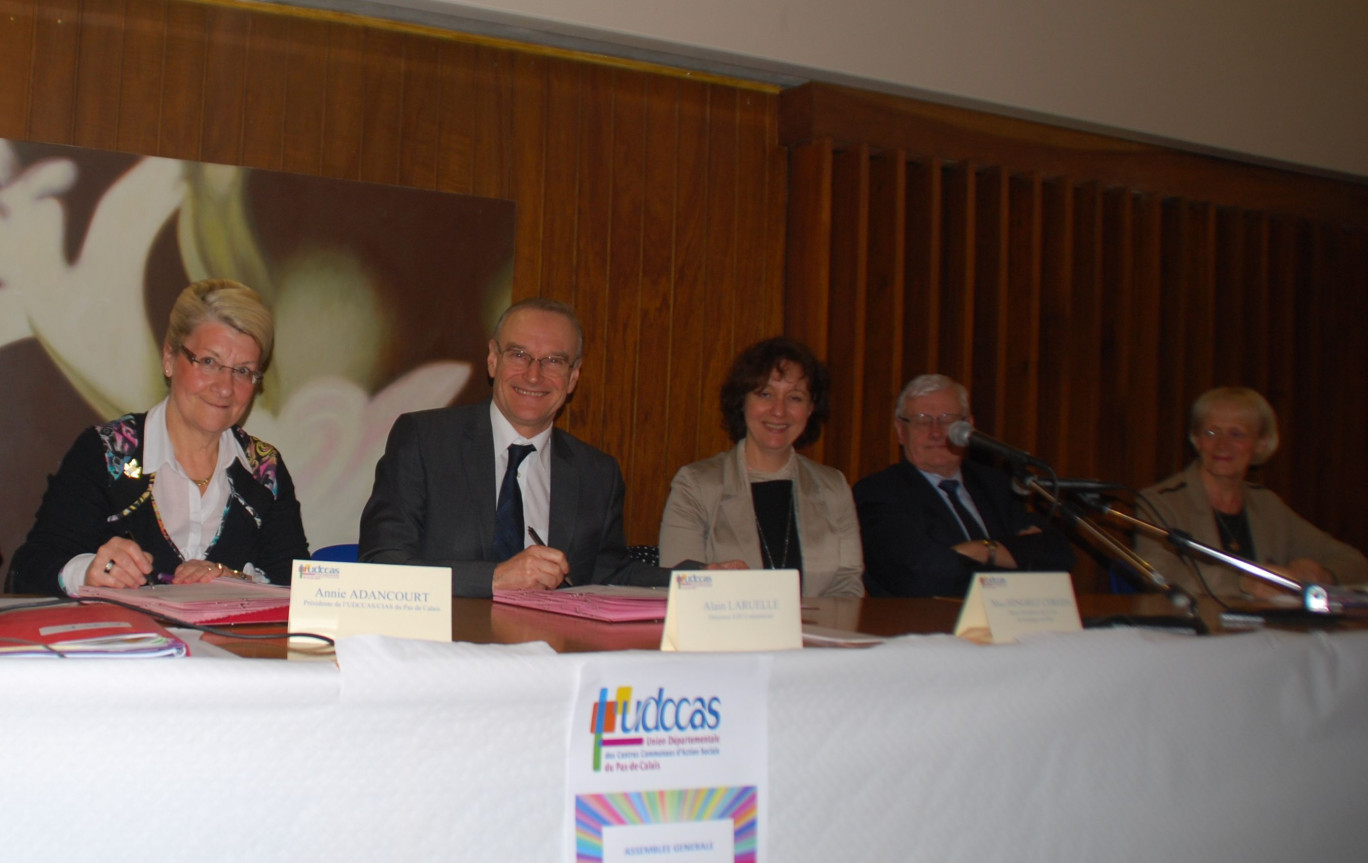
column 537, row 567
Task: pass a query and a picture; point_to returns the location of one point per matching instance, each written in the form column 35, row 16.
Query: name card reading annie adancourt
column 340, row 599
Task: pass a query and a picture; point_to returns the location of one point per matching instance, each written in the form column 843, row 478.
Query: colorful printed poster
column 669, row 760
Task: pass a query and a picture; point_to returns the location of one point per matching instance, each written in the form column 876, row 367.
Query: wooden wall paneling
column 382, row 106
column 140, row 84
column 886, row 290
column 18, row 47
column 344, row 116
column 1345, row 356
column 1322, row 347
column 1083, row 342
column 844, row 349
column 1284, row 377
column 492, row 107
column 420, row 116
column 1056, row 320
column 589, row 289
column 1229, row 335
column 1021, row 313
column 225, row 76
column 528, row 163
column 1205, row 316
column 665, row 399
column 988, row 310
column 456, row 134
column 99, row 70
column 181, row 125
column 693, row 329
column 1143, row 390
column 760, row 208
column 265, row 86
column 808, row 278
column 815, row 110
column 925, row 257
column 562, row 182
column 52, row 76
column 1177, row 322
column 1254, row 285
column 618, row 356
column 1112, row 444
column 305, row 76
column 956, row 323
column 724, row 294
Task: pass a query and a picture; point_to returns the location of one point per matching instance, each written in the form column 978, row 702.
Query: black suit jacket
column 908, row 531
column 434, row 498
column 100, row 492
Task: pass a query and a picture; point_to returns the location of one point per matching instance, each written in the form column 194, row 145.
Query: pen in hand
column 532, row 532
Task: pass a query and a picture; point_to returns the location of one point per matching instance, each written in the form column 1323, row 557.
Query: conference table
column 482, row 621
column 1109, row 744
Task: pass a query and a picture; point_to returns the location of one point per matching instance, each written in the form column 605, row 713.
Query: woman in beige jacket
column 760, row 505
column 1232, row 428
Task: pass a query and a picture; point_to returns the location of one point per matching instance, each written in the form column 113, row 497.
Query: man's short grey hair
column 546, row 304
column 925, row 385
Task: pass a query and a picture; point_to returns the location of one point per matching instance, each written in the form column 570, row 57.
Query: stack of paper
column 221, row 601
column 89, row 631
column 611, row 603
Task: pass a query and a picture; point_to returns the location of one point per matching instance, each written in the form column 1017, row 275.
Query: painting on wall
column 383, row 300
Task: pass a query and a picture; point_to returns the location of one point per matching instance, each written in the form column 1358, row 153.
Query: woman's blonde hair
column 226, row 302
column 1244, row 398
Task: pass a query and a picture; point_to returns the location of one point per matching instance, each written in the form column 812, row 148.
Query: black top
column 776, row 518
column 1235, row 535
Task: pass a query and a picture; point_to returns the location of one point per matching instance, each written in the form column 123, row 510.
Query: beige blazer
column 1279, row 534
column 709, row 518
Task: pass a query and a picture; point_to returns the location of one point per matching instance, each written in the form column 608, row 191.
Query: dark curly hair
column 751, row 371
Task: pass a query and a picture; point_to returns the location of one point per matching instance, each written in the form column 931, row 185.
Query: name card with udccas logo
column 340, row 599
column 1002, row 606
column 733, row 609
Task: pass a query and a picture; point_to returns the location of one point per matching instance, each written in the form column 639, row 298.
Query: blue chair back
column 344, row 553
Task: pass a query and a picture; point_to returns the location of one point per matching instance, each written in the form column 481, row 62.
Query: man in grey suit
column 444, row 495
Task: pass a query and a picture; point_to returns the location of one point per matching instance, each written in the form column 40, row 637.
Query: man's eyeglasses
column 210, row 368
column 923, row 422
column 554, row 366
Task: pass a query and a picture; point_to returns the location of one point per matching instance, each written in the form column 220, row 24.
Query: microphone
column 1071, row 484
column 964, row 434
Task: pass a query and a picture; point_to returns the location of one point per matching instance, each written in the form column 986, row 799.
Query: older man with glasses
column 931, row 521
column 494, row 491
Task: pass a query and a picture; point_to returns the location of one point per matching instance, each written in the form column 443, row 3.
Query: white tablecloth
column 1118, row 745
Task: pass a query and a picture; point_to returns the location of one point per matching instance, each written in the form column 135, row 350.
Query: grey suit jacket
column 1279, row 534
column 434, row 498
column 710, row 517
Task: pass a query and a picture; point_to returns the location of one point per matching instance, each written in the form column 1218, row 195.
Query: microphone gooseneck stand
column 1315, row 598
column 1139, row 570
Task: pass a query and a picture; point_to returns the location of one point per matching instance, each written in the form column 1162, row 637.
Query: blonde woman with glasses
column 1233, row 429
column 180, row 493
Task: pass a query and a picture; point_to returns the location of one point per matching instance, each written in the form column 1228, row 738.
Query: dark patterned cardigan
column 101, row 491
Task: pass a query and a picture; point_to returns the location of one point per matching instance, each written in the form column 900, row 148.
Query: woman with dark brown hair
column 760, row 505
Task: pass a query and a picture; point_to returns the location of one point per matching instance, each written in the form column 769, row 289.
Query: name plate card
column 341, row 599
column 1002, row 606
column 733, row 609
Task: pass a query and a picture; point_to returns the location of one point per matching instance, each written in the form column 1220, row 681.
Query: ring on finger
column 110, row 565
